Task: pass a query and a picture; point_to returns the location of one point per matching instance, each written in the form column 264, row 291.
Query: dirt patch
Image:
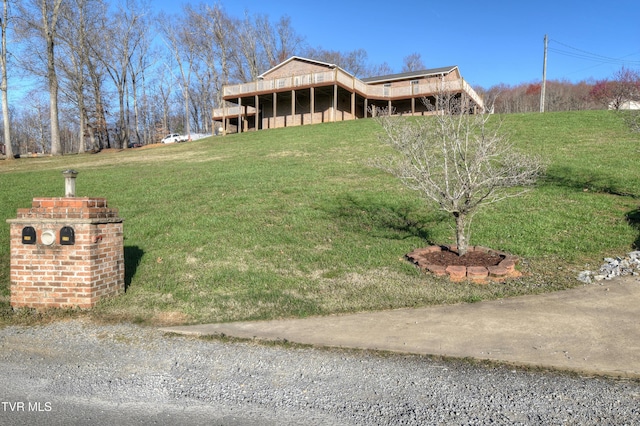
column 169, row 318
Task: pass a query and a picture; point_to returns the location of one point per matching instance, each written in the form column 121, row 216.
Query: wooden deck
column 255, row 102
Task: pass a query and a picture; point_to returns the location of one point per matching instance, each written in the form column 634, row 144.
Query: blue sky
column 492, row 41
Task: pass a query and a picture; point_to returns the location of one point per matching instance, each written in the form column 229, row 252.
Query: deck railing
column 346, row 80
column 338, row 76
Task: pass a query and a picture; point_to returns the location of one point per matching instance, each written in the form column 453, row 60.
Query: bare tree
column 31, row 128
column 50, row 12
column 624, row 87
column 249, row 62
column 40, row 24
column 139, row 65
column 457, row 160
column 381, row 69
column 80, row 20
column 354, row 62
column 279, row 41
column 124, row 32
column 182, row 42
column 3, row 84
column 413, row 62
column 99, row 125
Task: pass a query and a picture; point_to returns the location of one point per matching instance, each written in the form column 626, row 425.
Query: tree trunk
column 7, row 126
column 461, row 238
column 49, row 27
column 122, row 131
column 81, row 117
column 92, row 139
column 3, row 86
column 56, row 147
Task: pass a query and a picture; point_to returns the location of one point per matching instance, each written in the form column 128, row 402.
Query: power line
column 589, row 56
column 594, row 59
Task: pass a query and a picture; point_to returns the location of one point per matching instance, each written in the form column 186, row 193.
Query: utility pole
column 544, row 75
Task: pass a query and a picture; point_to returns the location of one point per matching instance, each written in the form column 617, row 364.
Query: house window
column 415, row 86
column 387, row 89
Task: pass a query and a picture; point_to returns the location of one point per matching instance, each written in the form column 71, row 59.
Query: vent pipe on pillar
column 70, row 183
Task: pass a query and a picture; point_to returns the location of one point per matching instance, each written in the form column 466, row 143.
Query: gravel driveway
column 76, row 372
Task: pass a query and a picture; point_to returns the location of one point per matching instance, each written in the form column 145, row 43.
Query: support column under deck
column 257, row 125
column 275, row 109
column 353, row 105
column 293, row 107
column 335, row 102
column 313, row 102
column 239, row 115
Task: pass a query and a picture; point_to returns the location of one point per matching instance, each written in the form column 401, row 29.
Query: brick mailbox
column 66, row 252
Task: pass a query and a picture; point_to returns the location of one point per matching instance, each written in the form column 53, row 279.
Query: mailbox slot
column 28, row 235
column 67, row 236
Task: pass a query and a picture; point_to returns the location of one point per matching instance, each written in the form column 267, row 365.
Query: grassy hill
column 294, row 222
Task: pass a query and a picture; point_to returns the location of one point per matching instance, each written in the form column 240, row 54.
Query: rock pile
column 628, row 265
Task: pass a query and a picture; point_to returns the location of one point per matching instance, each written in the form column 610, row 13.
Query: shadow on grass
column 633, row 218
column 132, row 257
column 381, row 219
column 593, row 181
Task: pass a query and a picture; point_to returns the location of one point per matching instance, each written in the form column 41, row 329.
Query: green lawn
column 294, row 222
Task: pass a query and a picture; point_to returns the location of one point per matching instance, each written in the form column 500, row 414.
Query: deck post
column 224, row 118
column 335, row 102
column 293, row 107
column 257, row 113
column 239, row 115
column 313, row 101
column 353, row 105
column 275, row 108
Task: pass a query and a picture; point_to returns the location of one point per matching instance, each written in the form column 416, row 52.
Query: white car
column 174, row 137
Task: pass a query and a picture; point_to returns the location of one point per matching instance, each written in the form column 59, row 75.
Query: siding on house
column 303, row 91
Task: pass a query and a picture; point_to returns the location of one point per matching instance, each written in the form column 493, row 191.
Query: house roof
column 413, row 74
column 379, row 79
column 297, row 58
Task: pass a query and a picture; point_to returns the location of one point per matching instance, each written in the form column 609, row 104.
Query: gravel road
column 76, row 372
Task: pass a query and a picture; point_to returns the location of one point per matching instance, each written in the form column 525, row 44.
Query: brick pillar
column 66, row 252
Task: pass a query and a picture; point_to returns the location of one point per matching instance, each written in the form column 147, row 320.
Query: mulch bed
column 471, row 258
column 479, row 264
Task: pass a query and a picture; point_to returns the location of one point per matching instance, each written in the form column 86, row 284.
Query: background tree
column 39, row 25
column 457, row 160
column 182, row 40
column 412, row 62
column 4, row 21
column 279, row 41
column 624, row 87
column 50, row 13
column 97, row 113
column 354, row 62
column 123, row 35
column 80, row 18
column 141, row 61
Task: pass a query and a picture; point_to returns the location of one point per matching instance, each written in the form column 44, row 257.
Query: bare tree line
column 111, row 74
column 563, row 95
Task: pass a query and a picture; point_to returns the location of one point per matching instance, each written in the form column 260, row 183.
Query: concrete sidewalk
column 593, row 329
